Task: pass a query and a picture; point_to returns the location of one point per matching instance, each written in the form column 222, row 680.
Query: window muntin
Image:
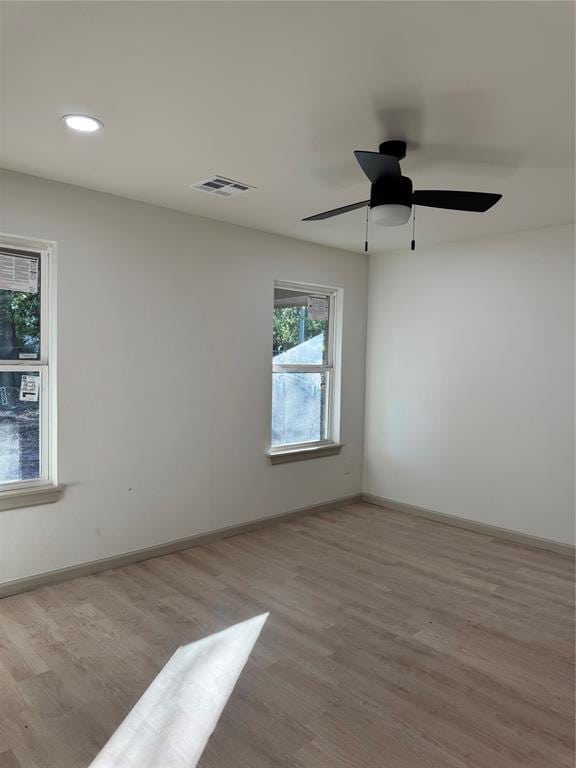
column 303, row 377
column 24, row 369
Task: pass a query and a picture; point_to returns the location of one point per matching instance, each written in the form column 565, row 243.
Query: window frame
column 11, row 491
column 331, row 443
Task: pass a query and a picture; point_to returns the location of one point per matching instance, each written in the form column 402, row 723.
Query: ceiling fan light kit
column 392, row 198
column 389, row 214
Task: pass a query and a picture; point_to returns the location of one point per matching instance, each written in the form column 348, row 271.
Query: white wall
column 145, row 295
column 470, row 387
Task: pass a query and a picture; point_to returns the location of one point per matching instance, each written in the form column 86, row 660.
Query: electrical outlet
column 347, row 467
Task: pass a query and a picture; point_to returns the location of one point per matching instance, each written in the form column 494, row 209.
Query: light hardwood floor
column 392, row 642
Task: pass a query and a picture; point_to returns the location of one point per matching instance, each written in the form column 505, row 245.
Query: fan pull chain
column 413, row 243
column 366, row 235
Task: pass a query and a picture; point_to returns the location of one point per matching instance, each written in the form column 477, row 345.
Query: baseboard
column 16, row 586
column 460, row 522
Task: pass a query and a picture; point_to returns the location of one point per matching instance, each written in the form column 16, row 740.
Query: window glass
column 303, row 373
column 19, row 309
column 298, row 407
column 19, row 426
column 300, row 327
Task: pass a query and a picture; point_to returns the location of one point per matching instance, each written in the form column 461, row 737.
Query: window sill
column 30, row 497
column 283, row 456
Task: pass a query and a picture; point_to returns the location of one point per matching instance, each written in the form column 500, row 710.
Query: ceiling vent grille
column 219, row 185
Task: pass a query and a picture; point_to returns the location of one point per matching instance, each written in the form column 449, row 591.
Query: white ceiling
column 279, row 95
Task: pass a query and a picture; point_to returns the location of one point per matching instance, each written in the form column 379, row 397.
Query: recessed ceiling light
column 83, row 123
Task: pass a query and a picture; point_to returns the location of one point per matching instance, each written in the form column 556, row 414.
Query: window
column 26, row 461
column 304, row 373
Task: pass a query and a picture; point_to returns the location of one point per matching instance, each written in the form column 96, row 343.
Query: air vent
column 219, row 185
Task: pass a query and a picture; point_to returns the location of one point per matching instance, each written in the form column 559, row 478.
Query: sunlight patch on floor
column 171, row 723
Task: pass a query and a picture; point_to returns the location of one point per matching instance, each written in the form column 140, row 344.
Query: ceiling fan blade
column 377, row 166
column 455, row 201
column 337, row 211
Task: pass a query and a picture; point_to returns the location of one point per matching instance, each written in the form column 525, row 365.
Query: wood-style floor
column 392, row 642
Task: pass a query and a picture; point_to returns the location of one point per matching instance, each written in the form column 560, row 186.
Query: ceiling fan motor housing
column 394, row 148
column 391, row 201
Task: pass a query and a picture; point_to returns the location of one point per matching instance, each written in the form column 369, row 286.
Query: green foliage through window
column 19, row 324
column 292, row 326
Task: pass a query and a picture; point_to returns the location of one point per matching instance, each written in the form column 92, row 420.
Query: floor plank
column 392, row 640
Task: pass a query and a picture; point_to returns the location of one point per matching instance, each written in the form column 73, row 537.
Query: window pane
column 298, row 407
column 19, row 426
column 19, row 309
column 300, row 324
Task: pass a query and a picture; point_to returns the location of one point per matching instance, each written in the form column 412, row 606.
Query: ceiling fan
column 392, row 196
